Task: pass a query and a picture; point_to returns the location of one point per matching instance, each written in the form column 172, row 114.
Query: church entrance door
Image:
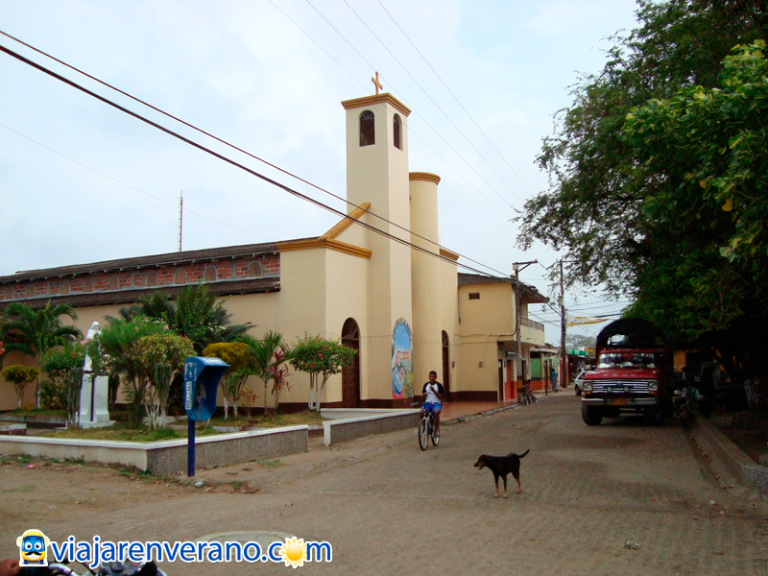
column 350, row 375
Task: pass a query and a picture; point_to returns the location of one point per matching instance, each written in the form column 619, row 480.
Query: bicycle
column 527, row 397
column 427, row 430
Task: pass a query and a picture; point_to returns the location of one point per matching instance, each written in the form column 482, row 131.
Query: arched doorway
column 350, row 375
column 446, row 365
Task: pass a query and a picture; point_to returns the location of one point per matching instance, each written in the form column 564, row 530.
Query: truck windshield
column 627, row 360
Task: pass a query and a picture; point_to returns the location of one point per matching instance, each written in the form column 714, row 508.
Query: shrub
column 20, row 376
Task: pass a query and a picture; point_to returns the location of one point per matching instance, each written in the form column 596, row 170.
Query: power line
column 455, row 98
column 415, row 113
column 199, row 146
column 158, row 198
column 234, row 147
column 436, row 105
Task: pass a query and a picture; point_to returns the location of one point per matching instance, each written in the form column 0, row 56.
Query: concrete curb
column 738, row 463
column 167, row 456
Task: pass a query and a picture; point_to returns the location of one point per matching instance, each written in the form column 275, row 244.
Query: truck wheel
column 592, row 415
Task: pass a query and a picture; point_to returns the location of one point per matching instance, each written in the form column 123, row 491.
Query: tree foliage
column 112, row 352
column 35, row 330
column 269, row 357
column 194, row 314
column 640, row 203
column 20, row 376
column 321, row 358
column 710, row 150
column 64, row 367
column 241, row 367
column 160, row 356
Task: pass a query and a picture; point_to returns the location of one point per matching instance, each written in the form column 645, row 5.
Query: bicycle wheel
column 435, row 437
column 423, row 433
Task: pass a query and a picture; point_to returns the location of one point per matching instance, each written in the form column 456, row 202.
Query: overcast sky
column 82, row 182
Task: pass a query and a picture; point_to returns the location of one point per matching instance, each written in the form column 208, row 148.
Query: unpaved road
column 389, row 508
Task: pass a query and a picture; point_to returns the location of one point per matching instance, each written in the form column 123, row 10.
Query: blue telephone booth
column 201, row 385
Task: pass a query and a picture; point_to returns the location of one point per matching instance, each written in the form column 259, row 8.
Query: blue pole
column 190, row 447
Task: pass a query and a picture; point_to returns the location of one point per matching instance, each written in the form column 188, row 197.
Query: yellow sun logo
column 294, row 552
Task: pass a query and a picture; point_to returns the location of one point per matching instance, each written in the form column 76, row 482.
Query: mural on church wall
column 402, row 361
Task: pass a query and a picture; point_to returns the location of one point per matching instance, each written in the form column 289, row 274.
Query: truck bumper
column 619, row 402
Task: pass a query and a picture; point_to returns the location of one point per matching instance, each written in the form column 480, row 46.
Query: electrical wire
column 438, row 107
column 158, row 198
column 234, row 147
column 415, row 113
column 228, row 160
column 454, row 97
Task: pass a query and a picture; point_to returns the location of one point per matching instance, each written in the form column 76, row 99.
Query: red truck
column 633, row 373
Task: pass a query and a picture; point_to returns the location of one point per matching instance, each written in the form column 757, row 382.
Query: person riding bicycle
column 433, row 396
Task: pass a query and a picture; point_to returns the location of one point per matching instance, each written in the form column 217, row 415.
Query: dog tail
column 524, row 453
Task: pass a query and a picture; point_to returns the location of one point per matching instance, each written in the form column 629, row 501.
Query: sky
column 81, row 182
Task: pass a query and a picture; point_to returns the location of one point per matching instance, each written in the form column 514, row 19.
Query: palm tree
column 195, row 314
column 35, row 330
column 269, row 355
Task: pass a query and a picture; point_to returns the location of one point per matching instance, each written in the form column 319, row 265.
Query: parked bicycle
column 527, row 396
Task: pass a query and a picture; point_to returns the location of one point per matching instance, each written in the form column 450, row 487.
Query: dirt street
column 621, row 498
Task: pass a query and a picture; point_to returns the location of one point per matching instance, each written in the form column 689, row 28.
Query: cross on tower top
column 376, row 83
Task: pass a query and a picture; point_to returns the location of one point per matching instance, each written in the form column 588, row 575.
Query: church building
column 405, row 310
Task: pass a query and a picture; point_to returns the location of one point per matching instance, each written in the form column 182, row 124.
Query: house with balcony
column 490, row 368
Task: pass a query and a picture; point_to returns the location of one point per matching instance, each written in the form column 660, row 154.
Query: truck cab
column 632, row 374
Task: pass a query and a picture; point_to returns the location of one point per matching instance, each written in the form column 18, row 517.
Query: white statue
column 94, row 393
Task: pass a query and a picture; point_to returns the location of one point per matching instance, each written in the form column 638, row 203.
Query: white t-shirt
column 430, row 389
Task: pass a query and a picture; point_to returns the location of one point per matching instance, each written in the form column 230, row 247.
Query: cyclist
column 433, row 396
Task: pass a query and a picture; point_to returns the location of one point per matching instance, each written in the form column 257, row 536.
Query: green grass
column 122, row 432
column 270, row 463
column 272, row 421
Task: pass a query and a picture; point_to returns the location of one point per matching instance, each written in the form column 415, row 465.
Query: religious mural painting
column 402, row 361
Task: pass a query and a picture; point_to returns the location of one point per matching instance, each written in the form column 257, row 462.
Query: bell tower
column 377, row 172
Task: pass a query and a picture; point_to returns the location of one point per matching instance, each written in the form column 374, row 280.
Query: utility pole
column 563, row 322
column 517, row 266
column 181, row 216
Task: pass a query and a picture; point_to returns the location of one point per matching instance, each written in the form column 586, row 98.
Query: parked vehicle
column 578, row 383
column 632, row 374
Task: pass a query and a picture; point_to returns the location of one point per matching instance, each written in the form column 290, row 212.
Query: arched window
column 396, row 132
column 30, row 291
column 9, row 293
column 210, row 274
column 367, row 130
column 113, row 283
column 88, row 285
column 181, row 276
column 254, row 270
column 152, row 279
column 64, row 287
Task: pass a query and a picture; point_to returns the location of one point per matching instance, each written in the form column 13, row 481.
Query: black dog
column 502, row 466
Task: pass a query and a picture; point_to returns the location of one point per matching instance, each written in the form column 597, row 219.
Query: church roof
column 152, row 261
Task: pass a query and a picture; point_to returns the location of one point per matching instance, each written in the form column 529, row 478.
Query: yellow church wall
column 425, row 277
column 347, row 297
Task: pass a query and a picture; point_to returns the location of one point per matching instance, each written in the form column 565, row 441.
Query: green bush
column 20, row 376
column 53, row 396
